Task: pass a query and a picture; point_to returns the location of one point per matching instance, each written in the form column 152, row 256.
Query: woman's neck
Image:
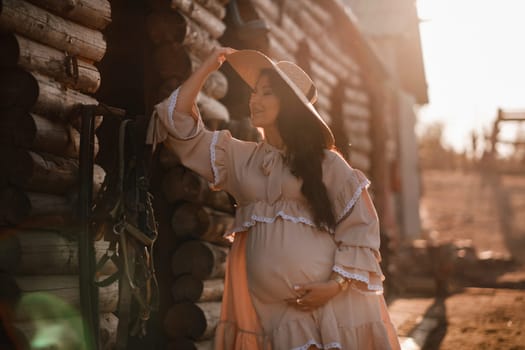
column 273, row 137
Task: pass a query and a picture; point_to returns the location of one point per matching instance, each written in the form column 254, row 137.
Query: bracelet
column 341, row 281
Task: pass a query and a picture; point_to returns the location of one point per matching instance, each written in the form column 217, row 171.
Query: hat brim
column 249, row 63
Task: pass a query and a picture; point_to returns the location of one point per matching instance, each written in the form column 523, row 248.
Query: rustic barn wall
column 48, row 53
column 194, row 217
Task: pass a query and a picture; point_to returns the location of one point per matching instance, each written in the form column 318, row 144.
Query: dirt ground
column 488, row 210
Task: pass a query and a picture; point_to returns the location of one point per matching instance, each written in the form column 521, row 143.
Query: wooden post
column 39, row 25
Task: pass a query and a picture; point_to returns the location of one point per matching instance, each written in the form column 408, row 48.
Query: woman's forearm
column 190, row 88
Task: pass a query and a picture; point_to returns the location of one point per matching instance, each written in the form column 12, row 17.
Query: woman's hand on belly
column 314, row 295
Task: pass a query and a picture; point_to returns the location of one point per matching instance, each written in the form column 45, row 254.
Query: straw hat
column 249, row 63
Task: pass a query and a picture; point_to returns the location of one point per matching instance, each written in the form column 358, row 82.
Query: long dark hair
column 305, row 145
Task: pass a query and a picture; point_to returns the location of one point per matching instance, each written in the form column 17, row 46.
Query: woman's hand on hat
column 313, row 295
column 217, row 58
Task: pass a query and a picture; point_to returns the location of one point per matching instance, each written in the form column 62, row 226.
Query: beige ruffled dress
column 277, row 244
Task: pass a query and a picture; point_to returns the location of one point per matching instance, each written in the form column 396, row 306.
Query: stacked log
column 182, row 36
column 48, row 51
column 200, row 218
column 294, row 28
column 47, row 55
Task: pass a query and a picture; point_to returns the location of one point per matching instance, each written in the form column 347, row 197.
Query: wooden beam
column 201, row 259
column 33, row 56
column 55, row 101
column 43, row 252
column 94, row 14
column 65, row 288
column 40, row 25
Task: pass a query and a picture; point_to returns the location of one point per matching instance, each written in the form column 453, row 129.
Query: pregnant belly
column 282, row 254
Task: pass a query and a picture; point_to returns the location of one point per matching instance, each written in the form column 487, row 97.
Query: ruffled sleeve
column 357, row 231
column 208, row 153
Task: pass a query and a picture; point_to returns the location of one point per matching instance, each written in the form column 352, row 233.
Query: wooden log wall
column 182, row 36
column 295, row 27
column 48, row 51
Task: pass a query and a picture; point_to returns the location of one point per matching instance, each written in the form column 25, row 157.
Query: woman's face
column 264, row 104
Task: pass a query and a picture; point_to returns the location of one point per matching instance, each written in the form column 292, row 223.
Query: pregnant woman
column 303, row 271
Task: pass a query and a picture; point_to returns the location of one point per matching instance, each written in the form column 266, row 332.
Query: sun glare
column 474, row 62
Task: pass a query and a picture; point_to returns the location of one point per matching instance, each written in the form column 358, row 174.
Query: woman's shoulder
column 337, row 169
column 332, row 158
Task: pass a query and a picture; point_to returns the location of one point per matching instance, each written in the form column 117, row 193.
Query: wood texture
column 172, row 61
column 18, row 89
column 214, row 6
column 192, row 220
column 212, row 312
column 211, row 109
column 22, row 129
column 182, row 184
column 33, row 171
column 189, row 288
column 213, row 289
column 213, row 25
column 33, row 56
column 95, row 14
column 38, row 24
column 200, row 259
column 186, row 288
column 199, row 321
column 41, row 252
column 14, row 206
column 65, row 287
column 192, row 325
column 57, row 102
column 168, row 159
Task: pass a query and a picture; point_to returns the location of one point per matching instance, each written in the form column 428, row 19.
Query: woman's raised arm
column 189, row 90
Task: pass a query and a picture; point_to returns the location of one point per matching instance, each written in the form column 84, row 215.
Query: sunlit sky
column 474, row 54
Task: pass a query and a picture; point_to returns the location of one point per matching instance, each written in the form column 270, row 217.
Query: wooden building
column 55, row 55
column 392, row 27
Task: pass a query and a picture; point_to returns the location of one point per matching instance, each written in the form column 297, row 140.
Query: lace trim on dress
column 213, row 143
column 354, row 199
column 359, row 290
column 355, row 276
column 319, row 346
column 269, row 220
column 171, row 106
